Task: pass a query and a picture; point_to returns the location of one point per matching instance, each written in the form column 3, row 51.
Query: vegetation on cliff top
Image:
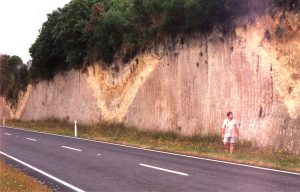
column 104, row 30
column 13, row 77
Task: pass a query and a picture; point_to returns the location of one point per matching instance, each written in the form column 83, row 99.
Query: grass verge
column 12, row 180
column 207, row 146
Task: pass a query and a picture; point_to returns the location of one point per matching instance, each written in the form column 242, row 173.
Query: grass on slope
column 208, row 146
column 12, row 180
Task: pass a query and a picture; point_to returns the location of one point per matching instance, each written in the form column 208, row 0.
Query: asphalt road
column 73, row 164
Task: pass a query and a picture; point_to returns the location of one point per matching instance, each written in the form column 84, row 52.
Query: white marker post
column 3, row 122
column 75, row 128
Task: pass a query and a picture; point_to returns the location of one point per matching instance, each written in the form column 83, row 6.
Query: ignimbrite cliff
column 187, row 87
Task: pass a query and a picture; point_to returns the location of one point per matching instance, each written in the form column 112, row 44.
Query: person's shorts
column 230, row 140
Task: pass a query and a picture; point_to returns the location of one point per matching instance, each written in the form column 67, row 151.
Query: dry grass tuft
column 12, row 180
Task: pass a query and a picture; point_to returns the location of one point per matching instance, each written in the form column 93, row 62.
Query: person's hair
column 229, row 113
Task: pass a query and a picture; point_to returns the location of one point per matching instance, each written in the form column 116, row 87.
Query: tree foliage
column 61, row 44
column 13, row 77
column 105, row 30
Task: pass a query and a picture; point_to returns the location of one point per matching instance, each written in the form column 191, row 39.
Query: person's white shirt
column 230, row 127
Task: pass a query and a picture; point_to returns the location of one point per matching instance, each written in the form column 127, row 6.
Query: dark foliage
column 13, row 77
column 89, row 30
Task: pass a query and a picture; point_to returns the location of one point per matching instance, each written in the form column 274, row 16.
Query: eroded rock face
column 5, row 112
column 254, row 72
column 68, row 96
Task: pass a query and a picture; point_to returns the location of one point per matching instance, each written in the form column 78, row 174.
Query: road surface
column 71, row 164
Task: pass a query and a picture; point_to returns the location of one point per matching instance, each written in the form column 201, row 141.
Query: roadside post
column 75, row 128
column 3, row 122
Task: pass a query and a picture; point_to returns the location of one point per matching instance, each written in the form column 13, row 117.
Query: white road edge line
column 43, row 173
column 74, row 149
column 162, row 169
column 30, row 139
column 7, row 133
column 163, row 152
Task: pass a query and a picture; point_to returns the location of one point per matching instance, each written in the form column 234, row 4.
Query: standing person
column 230, row 132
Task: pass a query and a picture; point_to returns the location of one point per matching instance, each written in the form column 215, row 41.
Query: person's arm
column 223, row 132
column 223, row 129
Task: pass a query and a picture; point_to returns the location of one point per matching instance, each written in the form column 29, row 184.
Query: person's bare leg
column 226, row 146
column 231, row 148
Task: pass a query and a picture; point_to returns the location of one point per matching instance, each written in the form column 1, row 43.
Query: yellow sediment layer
column 22, row 103
column 116, row 91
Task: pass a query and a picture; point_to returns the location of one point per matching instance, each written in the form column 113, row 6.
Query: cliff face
column 5, row 111
column 254, row 72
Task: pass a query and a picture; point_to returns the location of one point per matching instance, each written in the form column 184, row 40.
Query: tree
column 62, row 42
column 13, row 77
column 106, row 30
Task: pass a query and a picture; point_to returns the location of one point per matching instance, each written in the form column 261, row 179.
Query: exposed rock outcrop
column 254, row 72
